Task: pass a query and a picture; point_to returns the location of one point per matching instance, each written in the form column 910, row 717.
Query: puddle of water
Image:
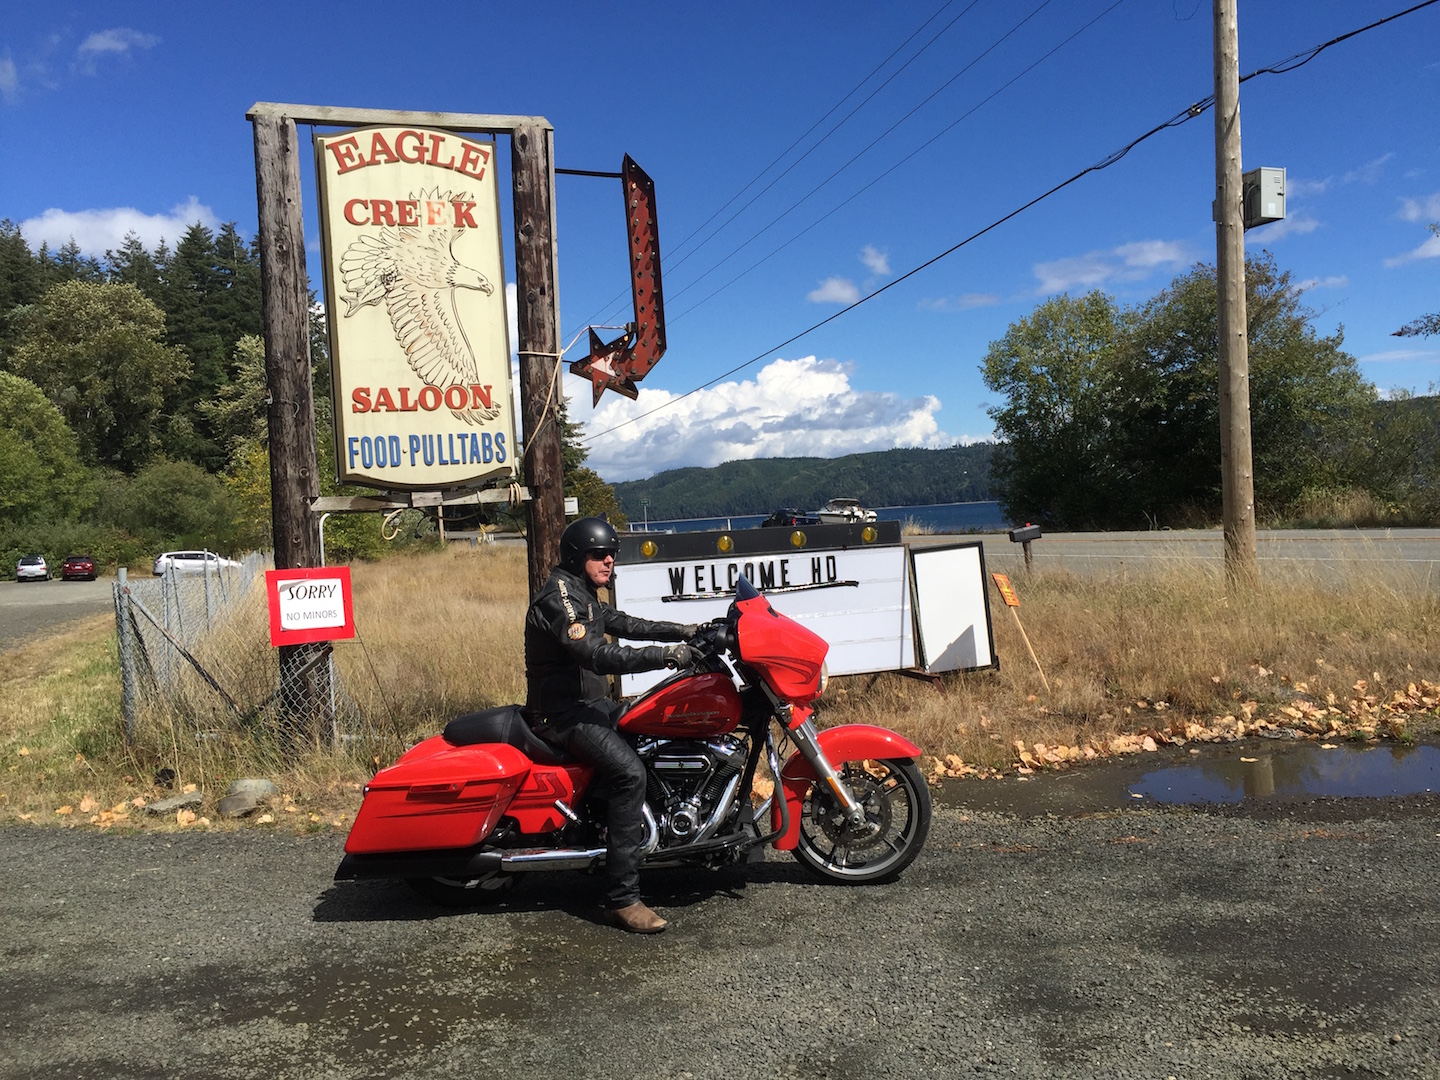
column 1305, row 770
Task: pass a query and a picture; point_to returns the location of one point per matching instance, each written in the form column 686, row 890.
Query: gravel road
column 1295, row 940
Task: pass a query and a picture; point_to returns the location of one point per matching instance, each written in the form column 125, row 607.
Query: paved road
column 31, row 609
column 1398, row 556
column 1271, row 941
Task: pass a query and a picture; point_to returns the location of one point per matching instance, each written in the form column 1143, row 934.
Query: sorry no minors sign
column 415, row 298
column 310, row 605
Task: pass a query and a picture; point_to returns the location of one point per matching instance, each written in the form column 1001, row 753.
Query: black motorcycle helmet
column 583, row 535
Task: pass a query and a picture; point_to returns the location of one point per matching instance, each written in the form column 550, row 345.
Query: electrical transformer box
column 1264, row 199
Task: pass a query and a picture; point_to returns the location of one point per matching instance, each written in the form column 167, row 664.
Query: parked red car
column 78, row 568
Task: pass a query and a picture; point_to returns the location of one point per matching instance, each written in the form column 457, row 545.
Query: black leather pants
column 588, row 732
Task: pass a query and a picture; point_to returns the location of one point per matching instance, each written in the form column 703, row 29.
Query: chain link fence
column 195, row 655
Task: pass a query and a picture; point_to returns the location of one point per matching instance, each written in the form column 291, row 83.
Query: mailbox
column 1025, row 535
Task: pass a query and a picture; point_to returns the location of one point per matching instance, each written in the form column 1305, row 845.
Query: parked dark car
column 78, row 568
column 787, row 517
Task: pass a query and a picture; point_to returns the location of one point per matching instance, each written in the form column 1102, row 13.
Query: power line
column 806, row 133
column 871, row 145
column 855, row 195
column 1184, row 116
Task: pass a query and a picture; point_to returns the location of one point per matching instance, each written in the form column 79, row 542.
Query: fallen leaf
column 184, row 817
column 137, row 802
column 87, row 804
column 265, row 819
column 187, row 789
column 24, row 751
column 64, row 810
column 1249, row 759
column 204, row 821
column 1327, row 746
column 1149, row 744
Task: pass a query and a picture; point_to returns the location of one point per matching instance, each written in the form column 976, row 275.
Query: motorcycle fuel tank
column 697, row 705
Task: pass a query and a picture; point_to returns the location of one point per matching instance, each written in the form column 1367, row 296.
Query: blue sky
column 117, row 117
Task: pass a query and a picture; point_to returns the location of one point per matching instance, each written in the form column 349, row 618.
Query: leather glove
column 678, row 656
column 689, row 630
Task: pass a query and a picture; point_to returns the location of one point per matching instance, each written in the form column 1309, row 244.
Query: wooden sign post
column 294, row 485
column 1012, row 601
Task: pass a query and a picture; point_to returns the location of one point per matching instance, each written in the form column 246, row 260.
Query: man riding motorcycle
column 567, row 695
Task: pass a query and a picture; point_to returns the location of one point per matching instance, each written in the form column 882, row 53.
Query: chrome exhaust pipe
column 528, row 859
column 551, row 859
column 721, row 811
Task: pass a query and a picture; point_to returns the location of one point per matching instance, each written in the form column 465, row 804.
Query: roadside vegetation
column 1134, row 660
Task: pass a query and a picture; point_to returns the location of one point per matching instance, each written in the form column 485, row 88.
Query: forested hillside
column 907, row 477
column 133, row 405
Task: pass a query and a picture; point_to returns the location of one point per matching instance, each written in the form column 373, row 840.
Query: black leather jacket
column 566, row 654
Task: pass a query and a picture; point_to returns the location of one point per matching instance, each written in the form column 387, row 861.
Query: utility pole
column 537, row 319
column 1237, row 479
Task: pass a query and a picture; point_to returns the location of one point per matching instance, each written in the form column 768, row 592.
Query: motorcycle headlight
column 824, row 676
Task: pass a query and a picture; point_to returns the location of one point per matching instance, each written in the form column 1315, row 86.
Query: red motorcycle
column 461, row 815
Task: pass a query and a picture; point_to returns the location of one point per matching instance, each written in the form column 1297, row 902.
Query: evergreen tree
column 133, row 265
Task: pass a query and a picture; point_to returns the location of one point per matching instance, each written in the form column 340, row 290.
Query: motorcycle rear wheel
column 897, row 812
column 464, row 893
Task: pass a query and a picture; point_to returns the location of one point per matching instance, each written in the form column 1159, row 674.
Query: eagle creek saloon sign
column 414, row 286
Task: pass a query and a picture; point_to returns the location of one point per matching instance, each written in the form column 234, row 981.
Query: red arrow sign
column 620, row 364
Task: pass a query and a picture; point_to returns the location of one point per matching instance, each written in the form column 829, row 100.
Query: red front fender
column 852, row 742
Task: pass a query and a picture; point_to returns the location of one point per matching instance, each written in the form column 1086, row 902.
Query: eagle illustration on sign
column 420, row 382
column 415, row 273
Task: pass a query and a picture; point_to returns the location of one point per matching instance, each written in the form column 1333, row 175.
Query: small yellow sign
column 1007, row 591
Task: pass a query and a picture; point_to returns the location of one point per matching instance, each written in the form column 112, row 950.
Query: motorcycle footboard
column 461, row 865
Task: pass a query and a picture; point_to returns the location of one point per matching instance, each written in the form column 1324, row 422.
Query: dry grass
column 1170, row 652
column 1159, row 651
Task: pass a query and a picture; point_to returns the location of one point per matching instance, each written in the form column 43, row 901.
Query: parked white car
column 32, row 568
column 192, row 562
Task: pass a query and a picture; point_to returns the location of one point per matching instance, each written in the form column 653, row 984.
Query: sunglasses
column 597, row 555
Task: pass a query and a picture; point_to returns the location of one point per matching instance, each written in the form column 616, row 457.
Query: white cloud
column 1299, row 189
column 876, row 261
column 9, row 79
column 963, row 302
column 1430, row 249
column 834, row 290
column 1369, row 172
column 1426, row 209
column 1128, row 262
column 96, row 230
column 512, row 330
column 1333, row 282
column 1392, row 355
column 803, row 407
column 1147, row 254
column 116, row 42
column 1298, row 223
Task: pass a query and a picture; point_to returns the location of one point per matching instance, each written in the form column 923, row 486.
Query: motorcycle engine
column 691, row 784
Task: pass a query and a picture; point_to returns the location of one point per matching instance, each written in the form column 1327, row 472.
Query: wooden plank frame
column 537, row 316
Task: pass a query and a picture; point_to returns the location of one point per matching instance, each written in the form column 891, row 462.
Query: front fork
column 799, row 724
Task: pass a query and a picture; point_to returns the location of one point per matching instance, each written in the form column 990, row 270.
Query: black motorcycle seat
column 503, row 725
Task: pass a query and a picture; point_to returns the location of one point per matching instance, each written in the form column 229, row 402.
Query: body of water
column 940, row 517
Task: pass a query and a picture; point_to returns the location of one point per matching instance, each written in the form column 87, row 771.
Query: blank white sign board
column 952, row 608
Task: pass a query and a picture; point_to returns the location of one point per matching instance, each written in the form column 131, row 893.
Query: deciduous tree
column 98, row 353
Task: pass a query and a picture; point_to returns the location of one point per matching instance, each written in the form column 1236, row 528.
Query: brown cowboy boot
column 636, row 918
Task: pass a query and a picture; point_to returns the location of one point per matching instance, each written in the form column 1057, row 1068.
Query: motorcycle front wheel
column 897, row 820
column 463, row 893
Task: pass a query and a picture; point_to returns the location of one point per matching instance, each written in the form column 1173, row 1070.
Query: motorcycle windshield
column 788, row 656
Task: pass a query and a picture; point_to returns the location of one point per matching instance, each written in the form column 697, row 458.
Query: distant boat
column 844, row 512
